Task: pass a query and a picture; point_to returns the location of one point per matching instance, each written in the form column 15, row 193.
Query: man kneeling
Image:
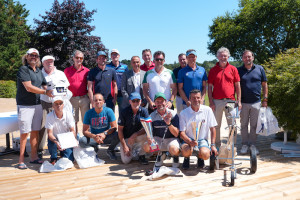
column 165, row 123
column 197, row 113
column 59, row 121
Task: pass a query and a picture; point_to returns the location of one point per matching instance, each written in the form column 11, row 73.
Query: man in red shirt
column 147, row 57
column 223, row 83
column 77, row 76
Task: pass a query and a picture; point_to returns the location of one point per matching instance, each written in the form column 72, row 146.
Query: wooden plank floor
column 276, row 178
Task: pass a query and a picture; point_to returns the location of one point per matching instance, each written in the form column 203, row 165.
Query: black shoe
column 40, row 154
column 175, row 163
column 143, row 160
column 111, row 155
column 200, row 163
column 186, row 163
column 212, row 162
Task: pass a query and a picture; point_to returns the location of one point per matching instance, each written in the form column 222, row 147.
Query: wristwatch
column 171, row 101
column 105, row 133
column 212, row 144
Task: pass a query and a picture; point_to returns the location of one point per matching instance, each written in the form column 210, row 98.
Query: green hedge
column 8, row 89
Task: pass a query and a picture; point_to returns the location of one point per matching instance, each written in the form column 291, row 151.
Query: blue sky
column 130, row 26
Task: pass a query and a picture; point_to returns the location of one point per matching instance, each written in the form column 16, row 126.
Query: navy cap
column 101, row 53
column 135, row 95
column 191, row 52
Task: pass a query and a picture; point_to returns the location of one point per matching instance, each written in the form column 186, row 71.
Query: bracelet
column 45, row 92
column 212, row 144
column 169, row 124
column 55, row 140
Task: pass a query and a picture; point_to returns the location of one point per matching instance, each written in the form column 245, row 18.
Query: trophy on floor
column 147, row 124
column 196, row 127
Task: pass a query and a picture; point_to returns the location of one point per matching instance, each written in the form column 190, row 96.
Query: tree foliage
column 264, row 26
column 64, row 29
column 13, row 35
column 283, row 73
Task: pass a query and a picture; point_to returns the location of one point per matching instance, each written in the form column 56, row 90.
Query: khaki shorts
column 165, row 146
column 82, row 103
column 30, row 118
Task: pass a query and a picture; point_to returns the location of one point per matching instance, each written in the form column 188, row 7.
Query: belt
column 223, row 99
column 79, row 97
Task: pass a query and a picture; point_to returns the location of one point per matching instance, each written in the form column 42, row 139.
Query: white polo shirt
column 159, row 82
column 204, row 115
column 62, row 125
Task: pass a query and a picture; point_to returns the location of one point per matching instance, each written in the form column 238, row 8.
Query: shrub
column 283, row 74
column 8, row 89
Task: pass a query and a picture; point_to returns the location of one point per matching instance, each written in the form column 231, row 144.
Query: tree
column 283, row 73
column 266, row 27
column 13, row 34
column 64, row 29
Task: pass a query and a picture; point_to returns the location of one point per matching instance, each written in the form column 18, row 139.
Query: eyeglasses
column 159, row 59
column 79, row 58
column 33, row 56
column 135, row 100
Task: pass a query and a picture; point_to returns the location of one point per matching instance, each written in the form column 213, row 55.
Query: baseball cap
column 191, row 52
column 101, row 53
column 33, row 50
column 57, row 98
column 135, row 95
column 48, row 57
column 115, row 51
column 160, row 94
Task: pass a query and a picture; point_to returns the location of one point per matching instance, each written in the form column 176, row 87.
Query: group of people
column 148, row 90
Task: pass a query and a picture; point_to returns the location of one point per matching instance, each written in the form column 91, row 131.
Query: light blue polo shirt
column 191, row 79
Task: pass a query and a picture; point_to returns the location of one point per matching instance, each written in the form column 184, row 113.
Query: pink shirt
column 77, row 80
column 145, row 68
column 223, row 81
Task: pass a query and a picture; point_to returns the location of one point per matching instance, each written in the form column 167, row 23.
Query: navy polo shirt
column 175, row 72
column 119, row 71
column 251, row 83
column 192, row 79
column 37, row 79
column 102, row 80
column 130, row 122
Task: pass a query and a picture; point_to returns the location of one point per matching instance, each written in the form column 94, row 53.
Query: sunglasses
column 33, row 56
column 79, row 58
column 135, row 100
column 159, row 59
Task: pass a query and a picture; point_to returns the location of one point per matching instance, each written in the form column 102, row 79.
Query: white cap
column 115, row 51
column 32, row 50
column 48, row 57
column 57, row 98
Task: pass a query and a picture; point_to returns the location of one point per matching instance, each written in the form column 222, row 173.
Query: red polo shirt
column 223, row 81
column 145, row 68
column 77, row 80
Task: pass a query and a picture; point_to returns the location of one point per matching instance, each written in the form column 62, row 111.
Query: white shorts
column 167, row 143
column 30, row 118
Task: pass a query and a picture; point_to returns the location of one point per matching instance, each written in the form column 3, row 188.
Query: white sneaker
column 254, row 148
column 244, row 149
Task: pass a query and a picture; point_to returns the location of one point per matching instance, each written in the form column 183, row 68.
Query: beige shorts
column 30, row 118
column 165, row 146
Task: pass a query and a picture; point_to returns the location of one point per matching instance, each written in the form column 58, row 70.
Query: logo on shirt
column 99, row 121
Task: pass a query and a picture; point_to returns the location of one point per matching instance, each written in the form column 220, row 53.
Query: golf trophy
column 147, row 124
column 196, row 127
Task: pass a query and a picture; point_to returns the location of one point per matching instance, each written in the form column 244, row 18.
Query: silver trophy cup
column 147, row 124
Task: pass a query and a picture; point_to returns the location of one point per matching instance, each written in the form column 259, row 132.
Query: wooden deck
column 276, row 178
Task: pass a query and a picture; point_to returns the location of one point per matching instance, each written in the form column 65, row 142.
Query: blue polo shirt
column 191, row 79
column 131, row 122
column 119, row 71
column 251, row 83
column 102, row 80
column 99, row 122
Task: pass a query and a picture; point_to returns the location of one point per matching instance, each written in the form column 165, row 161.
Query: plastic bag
column 267, row 123
column 163, row 170
column 86, row 157
column 61, row 165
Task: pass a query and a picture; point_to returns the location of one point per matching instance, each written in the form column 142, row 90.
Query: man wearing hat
column 191, row 77
column 59, row 121
column 130, row 130
column 103, row 80
column 120, row 69
column 165, row 123
column 54, row 77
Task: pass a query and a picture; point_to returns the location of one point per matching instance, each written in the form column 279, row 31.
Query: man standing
column 165, row 123
column 99, row 126
column 120, row 69
column 159, row 79
column 54, row 78
column 197, row 113
column 191, row 77
column 182, row 62
column 59, row 121
column 147, row 57
column 223, row 83
column 130, row 130
column 102, row 79
column 77, row 76
column 132, row 82
column 253, row 78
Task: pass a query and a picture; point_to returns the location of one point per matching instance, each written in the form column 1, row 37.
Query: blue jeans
column 67, row 153
column 109, row 103
column 112, row 139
